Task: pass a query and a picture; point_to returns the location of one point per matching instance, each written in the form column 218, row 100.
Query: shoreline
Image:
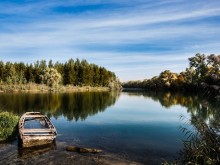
column 41, row 88
column 11, row 154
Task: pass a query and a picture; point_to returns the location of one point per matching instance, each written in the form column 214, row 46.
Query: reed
column 202, row 145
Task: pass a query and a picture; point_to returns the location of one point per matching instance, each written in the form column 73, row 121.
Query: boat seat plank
column 39, row 135
column 37, row 130
column 35, row 116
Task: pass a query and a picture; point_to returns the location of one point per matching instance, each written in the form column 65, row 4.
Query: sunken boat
column 36, row 129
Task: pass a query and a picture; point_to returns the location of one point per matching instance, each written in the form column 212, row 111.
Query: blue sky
column 136, row 39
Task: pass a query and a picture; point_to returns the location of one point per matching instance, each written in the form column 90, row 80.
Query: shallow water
column 138, row 126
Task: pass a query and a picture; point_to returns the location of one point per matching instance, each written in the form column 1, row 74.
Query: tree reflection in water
column 202, row 144
column 73, row 106
column 207, row 109
column 81, row 105
column 78, row 106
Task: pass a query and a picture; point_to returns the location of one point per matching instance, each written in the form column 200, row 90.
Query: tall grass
column 202, row 145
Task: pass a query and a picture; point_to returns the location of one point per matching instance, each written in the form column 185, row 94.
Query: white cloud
column 180, row 27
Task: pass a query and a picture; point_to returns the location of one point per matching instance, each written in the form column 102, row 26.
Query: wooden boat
column 36, row 129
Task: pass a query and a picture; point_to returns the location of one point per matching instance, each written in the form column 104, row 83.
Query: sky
column 136, row 39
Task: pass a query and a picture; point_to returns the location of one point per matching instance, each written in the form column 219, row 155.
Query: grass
column 8, row 124
column 32, row 87
column 203, row 146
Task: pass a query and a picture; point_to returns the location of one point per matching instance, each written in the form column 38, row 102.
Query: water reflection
column 70, row 105
column 26, row 153
column 205, row 108
column 141, row 126
column 81, row 105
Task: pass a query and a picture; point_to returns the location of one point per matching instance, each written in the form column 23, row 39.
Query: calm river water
column 139, row 126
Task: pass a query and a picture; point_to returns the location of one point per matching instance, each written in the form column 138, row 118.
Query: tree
column 86, row 73
column 10, row 73
column 69, row 75
column 96, row 76
column 20, row 72
column 60, row 68
column 50, row 64
column 30, row 73
column 168, row 78
column 214, row 63
column 50, row 77
column 1, row 71
column 214, row 69
column 199, row 64
column 72, row 72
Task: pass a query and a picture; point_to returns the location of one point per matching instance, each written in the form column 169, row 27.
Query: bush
column 8, row 123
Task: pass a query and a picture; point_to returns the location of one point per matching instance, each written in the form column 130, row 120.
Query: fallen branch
column 82, row 150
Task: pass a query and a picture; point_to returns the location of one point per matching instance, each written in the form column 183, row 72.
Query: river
column 143, row 127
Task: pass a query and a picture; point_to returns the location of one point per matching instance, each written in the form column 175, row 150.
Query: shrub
column 8, row 123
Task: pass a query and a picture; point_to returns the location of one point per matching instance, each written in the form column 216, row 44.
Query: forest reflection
column 206, row 108
column 73, row 106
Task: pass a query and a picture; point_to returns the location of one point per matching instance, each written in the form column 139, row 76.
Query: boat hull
column 31, row 141
column 36, row 129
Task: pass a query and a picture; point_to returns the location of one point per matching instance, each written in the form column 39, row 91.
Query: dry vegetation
column 35, row 88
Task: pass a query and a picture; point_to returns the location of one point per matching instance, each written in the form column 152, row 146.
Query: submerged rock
column 82, row 150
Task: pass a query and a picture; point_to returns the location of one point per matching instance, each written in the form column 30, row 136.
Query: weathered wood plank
column 36, row 130
column 34, row 116
column 35, row 134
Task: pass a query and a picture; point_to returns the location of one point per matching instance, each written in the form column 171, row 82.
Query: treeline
column 73, row 72
column 203, row 73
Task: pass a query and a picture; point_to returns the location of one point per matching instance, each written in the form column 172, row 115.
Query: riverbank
column 35, row 88
column 11, row 154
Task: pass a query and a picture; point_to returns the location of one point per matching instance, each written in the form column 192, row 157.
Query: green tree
column 37, row 72
column 60, row 68
column 30, row 73
column 50, row 77
column 79, row 71
column 10, row 73
column 69, row 76
column 20, row 72
column 96, row 75
column 72, row 72
column 2, row 65
column 50, row 64
column 168, row 78
column 43, row 64
column 86, row 73
column 199, row 64
column 213, row 77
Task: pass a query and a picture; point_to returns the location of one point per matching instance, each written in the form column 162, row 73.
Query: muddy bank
column 56, row 155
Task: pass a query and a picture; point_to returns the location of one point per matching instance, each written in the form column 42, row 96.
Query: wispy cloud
column 148, row 35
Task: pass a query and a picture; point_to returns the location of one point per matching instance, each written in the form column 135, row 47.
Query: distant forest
column 203, row 73
column 73, row 72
